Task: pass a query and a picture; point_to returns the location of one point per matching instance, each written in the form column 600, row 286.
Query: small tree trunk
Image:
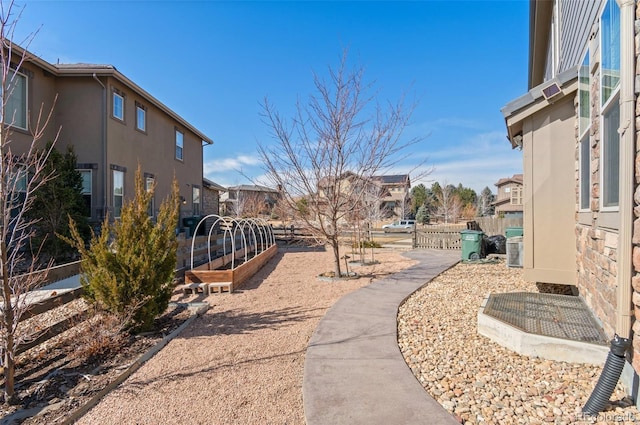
column 336, row 256
column 9, row 363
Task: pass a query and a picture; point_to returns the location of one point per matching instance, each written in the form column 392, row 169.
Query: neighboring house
column 114, row 126
column 211, row 197
column 373, row 199
column 394, row 194
column 249, row 200
column 508, row 200
column 576, row 126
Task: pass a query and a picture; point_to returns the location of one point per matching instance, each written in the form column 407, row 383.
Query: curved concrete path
column 354, row 372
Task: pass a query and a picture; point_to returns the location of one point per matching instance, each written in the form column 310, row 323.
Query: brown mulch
column 55, row 379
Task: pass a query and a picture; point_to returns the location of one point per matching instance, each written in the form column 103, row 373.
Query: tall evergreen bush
column 128, row 269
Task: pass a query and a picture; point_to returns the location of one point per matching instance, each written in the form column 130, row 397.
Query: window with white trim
column 141, row 117
column 87, row 188
column 179, row 145
column 611, row 154
column 516, row 195
column 609, row 50
column 584, row 124
column 118, row 106
column 609, row 89
column 118, row 192
column 555, row 40
column 196, row 200
column 15, row 110
column 585, row 173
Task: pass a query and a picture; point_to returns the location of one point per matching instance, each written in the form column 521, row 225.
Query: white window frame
column 584, row 104
column 604, row 56
column 516, row 196
column 117, row 178
column 555, row 39
column 196, row 195
column 179, row 145
column 118, row 99
column 607, row 202
column 584, row 140
column 141, row 118
column 87, row 191
column 584, row 176
column 14, row 116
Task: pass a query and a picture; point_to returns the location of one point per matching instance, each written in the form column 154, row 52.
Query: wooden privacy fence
column 496, row 226
column 438, row 237
column 448, row 236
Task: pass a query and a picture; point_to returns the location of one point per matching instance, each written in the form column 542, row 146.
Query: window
column 179, row 145
column 149, row 185
column 584, row 96
column 16, row 105
column 555, row 40
column 516, row 196
column 87, row 189
column 584, row 123
column 610, row 154
column 141, row 117
column 118, row 106
column 610, row 50
column 585, row 173
column 118, row 192
column 196, row 200
column 609, row 88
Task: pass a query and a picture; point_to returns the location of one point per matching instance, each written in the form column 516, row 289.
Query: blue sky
column 213, row 63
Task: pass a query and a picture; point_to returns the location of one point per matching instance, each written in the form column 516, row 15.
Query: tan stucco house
column 576, row 127
column 113, row 125
column 248, row 200
column 394, row 190
column 508, row 200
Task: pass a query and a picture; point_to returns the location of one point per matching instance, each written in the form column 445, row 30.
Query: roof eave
column 533, row 101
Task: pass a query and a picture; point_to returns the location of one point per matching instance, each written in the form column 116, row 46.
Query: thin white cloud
column 230, row 164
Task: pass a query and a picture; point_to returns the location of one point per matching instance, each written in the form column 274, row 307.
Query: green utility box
column 471, row 244
column 511, row 232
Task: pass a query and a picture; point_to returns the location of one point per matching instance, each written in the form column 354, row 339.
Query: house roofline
column 540, row 14
column 533, row 101
column 90, row 70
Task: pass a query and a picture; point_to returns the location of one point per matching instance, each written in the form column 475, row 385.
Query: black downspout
column 609, row 376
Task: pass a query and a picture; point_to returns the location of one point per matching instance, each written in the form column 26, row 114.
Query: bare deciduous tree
column 449, row 204
column 338, row 139
column 21, row 174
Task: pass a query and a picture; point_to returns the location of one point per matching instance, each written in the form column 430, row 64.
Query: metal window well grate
column 558, row 316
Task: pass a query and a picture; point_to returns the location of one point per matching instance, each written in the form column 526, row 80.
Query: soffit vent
column 551, row 91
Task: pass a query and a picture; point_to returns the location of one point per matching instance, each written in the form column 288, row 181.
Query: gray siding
column 576, row 20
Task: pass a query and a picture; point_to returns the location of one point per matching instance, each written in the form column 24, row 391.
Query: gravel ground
column 478, row 380
column 243, row 361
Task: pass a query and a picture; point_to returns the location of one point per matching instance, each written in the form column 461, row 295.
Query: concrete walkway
column 354, row 372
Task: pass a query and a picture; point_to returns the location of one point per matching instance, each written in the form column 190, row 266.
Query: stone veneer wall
column 210, row 201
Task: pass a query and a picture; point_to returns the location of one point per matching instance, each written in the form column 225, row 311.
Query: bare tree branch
column 328, row 152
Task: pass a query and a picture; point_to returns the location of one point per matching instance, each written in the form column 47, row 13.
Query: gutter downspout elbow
column 104, row 147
